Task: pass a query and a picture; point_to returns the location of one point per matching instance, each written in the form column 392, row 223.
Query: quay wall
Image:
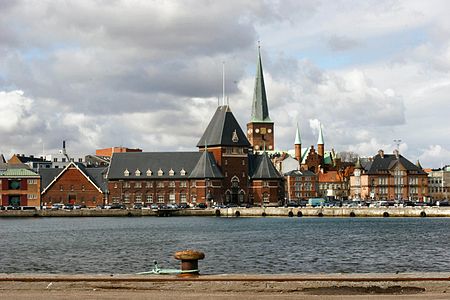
column 242, row 212
column 337, row 212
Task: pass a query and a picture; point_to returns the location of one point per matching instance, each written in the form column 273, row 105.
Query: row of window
column 32, row 181
column 148, row 198
column 150, row 173
column 32, row 196
column 72, row 188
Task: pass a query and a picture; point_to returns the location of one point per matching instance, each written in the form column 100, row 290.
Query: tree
column 348, row 156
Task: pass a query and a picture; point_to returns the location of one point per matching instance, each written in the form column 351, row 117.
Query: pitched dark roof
column 153, row 161
column 388, row 161
column 2, row 159
column 262, row 167
column 221, row 130
column 206, row 167
column 27, row 159
column 297, row 173
column 96, row 175
column 47, row 176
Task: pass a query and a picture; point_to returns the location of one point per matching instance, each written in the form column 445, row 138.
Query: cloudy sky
column 148, row 74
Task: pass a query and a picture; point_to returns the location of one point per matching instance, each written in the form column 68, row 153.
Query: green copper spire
column 260, row 110
column 298, row 139
column 320, row 140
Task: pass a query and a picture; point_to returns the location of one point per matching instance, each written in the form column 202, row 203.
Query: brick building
column 388, row 177
column 300, row 185
column 75, row 184
column 19, row 186
column 225, row 170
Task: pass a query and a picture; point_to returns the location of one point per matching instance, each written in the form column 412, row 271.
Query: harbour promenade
column 241, row 286
column 243, row 212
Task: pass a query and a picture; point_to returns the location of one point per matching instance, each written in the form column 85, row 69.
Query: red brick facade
column 72, row 186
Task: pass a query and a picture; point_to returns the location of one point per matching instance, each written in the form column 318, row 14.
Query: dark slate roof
column 262, row 167
column 221, row 129
column 94, row 174
column 2, row 159
column 153, row 161
column 26, row 159
column 296, row 173
column 388, row 161
column 47, row 176
column 206, row 167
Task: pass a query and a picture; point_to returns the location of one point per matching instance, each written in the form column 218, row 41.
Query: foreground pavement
column 237, row 286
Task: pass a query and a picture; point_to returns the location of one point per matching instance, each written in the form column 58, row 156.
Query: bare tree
column 348, row 156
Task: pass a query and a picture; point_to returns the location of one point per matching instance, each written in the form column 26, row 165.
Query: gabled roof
column 223, row 130
column 260, row 110
column 206, row 167
column 153, row 162
column 388, row 161
column 263, row 168
column 79, row 167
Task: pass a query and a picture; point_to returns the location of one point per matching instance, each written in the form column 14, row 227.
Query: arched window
column 266, row 198
column 137, row 172
column 149, row 172
column 126, row 172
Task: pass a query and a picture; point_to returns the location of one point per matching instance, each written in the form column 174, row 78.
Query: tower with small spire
column 320, row 144
column 298, row 146
column 260, row 128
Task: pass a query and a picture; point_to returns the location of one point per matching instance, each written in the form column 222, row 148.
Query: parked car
column 57, row 206
column 202, row 205
column 68, row 206
column 154, row 206
column 183, row 205
column 137, row 206
column 291, row 204
column 118, row 206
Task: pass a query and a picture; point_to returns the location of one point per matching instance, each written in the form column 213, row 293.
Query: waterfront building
column 300, row 185
column 388, row 177
column 19, row 185
column 225, row 170
column 439, row 183
column 74, row 184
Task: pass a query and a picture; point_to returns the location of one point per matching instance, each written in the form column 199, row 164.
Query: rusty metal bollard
column 189, row 262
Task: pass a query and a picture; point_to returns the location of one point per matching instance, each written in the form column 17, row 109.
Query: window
column 172, row 197
column 137, row 172
column 160, row 184
column 160, row 172
column 61, row 188
column 149, row 198
column 243, row 162
column 115, row 185
column 32, row 196
column 265, row 183
column 182, row 172
column 183, row 197
column 138, row 184
column 149, row 172
column 149, row 184
column 126, row 198
column 63, row 159
column 71, row 188
column 126, row 172
column 160, row 198
column 138, row 198
column 183, row 183
column 55, row 159
column 171, row 172
column 266, row 198
column 126, row 184
column 80, row 160
column 172, row 184
column 32, row 181
column 82, row 188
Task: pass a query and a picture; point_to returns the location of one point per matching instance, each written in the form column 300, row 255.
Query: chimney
column 396, row 153
column 381, row 153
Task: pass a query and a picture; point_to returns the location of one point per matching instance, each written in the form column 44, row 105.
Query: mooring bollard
column 189, row 262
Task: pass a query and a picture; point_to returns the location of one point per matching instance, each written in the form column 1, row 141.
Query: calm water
column 231, row 245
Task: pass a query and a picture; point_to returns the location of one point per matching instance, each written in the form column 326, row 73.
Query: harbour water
column 231, row 245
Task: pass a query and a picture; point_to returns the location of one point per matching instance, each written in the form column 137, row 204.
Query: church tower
column 260, row 128
column 298, row 147
column 321, row 144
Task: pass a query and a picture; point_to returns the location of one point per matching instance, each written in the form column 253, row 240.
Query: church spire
column 320, row 139
column 298, row 139
column 260, row 110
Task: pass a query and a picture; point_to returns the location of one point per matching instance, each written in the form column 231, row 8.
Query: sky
column 148, row 74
